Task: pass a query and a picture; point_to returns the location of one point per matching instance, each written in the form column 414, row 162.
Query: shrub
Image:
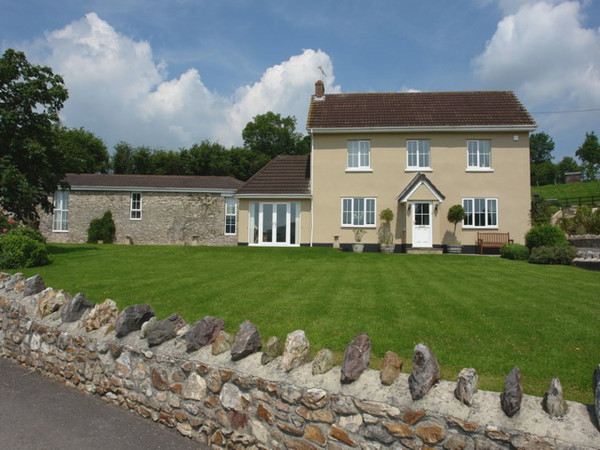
column 19, row 251
column 514, row 251
column 587, row 221
column 558, row 254
column 540, row 213
column 27, row 231
column 545, row 236
column 102, row 229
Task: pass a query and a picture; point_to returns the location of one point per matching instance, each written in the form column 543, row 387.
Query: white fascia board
column 414, row 189
column 512, row 128
column 149, row 189
column 280, row 196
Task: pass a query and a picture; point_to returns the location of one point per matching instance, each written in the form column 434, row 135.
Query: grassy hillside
column 586, row 189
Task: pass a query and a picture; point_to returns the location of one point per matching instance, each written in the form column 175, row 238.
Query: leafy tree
column 541, row 147
column 567, row 164
column 206, row 158
column 589, row 154
column 84, row 152
column 543, row 173
column 31, row 163
column 274, row 135
column 245, row 162
column 122, row 160
column 142, row 160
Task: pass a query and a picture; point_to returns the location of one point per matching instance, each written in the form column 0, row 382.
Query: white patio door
column 276, row 223
column 422, row 230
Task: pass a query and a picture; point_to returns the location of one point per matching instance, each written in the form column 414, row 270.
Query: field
column 558, row 191
column 473, row 311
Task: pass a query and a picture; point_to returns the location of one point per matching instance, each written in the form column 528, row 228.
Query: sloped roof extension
column 283, row 175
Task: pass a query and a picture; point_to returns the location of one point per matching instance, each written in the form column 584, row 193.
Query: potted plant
column 456, row 214
column 358, row 247
column 386, row 238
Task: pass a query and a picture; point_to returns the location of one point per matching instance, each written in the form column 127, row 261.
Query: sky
column 170, row 73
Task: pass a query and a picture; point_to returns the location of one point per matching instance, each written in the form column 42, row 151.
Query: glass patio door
column 274, row 223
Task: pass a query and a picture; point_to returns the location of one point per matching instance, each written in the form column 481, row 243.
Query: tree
column 543, row 173
column 541, row 147
column 31, row 163
column 122, row 160
column 589, row 154
column 84, row 152
column 274, row 135
column 567, row 164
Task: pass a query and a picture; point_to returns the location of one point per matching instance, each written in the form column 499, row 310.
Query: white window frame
column 231, row 215
column 358, row 156
column 479, row 155
column 135, row 211
column 486, row 206
column 420, row 149
column 60, row 214
column 359, row 212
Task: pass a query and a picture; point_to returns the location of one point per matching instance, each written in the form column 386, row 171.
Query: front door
column 422, row 235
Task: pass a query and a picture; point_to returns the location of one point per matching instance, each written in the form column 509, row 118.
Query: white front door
column 422, row 230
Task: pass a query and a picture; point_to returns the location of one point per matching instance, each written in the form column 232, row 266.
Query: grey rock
column 203, row 332
column 296, row 351
column 466, row 386
column 132, row 318
column 273, row 349
column 596, row 388
column 425, row 372
column 554, row 403
column 74, row 310
column 222, row 343
column 164, row 330
column 378, row 434
column 323, row 362
column 34, row 285
column 246, row 341
column 10, row 284
column 356, row 358
column 390, row 368
column 512, row 395
column 146, row 326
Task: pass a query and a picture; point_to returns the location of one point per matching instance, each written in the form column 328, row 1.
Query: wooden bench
column 492, row 240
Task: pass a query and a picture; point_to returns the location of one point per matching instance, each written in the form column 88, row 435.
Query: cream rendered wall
column 508, row 182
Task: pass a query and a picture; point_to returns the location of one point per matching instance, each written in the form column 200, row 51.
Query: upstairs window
column 135, row 212
column 358, row 212
column 230, row 215
column 60, row 216
column 479, row 155
column 480, row 212
column 417, row 154
column 359, row 155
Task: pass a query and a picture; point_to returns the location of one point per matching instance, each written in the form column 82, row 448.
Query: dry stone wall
column 283, row 401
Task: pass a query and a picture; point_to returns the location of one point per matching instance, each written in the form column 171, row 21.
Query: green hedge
column 558, row 254
column 20, row 251
column 514, row 251
column 545, row 236
column 102, row 229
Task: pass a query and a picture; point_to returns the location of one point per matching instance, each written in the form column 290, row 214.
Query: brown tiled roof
column 420, row 109
column 153, row 181
column 282, row 175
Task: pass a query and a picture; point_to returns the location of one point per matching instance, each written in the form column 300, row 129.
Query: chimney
column 319, row 89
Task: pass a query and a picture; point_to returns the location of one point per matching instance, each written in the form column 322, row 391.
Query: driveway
column 37, row 412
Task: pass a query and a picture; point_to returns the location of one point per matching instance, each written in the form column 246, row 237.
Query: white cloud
column 119, row 91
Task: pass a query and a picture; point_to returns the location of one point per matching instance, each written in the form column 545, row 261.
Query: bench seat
column 492, row 240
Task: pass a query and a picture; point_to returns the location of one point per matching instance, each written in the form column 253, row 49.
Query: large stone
column 132, row 318
column 33, row 285
column 511, row 396
column 323, row 362
column 195, row 388
column 596, row 388
column 101, row 314
column 74, row 309
column 203, row 332
column 356, row 358
column 296, row 351
column 273, row 349
column 164, row 330
column 425, row 372
column 246, row 342
column 554, row 403
column 52, row 301
column 390, row 368
column 466, row 386
column 222, row 343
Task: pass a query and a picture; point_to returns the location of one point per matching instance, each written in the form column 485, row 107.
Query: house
column 147, row 209
column 415, row 153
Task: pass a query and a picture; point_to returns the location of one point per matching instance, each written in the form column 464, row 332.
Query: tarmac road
column 37, row 412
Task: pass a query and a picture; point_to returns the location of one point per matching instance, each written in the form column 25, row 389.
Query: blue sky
column 170, row 73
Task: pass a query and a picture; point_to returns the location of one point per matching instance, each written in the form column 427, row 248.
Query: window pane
column 423, row 153
column 365, row 153
column 484, row 153
column 353, row 154
column 472, row 151
column 254, row 221
column 492, row 212
column 479, row 212
column 370, row 211
column 347, row 211
column 468, row 205
column 412, row 153
column 293, row 220
column 359, row 212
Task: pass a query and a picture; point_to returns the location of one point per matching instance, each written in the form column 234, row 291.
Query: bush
column 514, row 251
column 545, row 236
column 558, row 254
column 102, row 229
column 27, row 231
column 587, row 221
column 20, row 251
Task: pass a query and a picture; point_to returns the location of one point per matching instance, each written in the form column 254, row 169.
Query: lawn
column 559, row 191
column 473, row 311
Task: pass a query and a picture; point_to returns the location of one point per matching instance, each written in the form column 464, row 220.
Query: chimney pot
column 319, row 89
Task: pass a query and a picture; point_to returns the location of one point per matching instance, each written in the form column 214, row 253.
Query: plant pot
column 387, row 248
column 455, row 249
column 358, row 247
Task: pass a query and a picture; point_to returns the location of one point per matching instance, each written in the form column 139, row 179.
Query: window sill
column 479, row 169
column 481, row 228
column 368, row 227
column 359, row 170
column 418, row 169
column 60, row 231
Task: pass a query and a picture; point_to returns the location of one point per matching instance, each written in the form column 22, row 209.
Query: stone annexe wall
column 225, row 398
column 167, row 218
